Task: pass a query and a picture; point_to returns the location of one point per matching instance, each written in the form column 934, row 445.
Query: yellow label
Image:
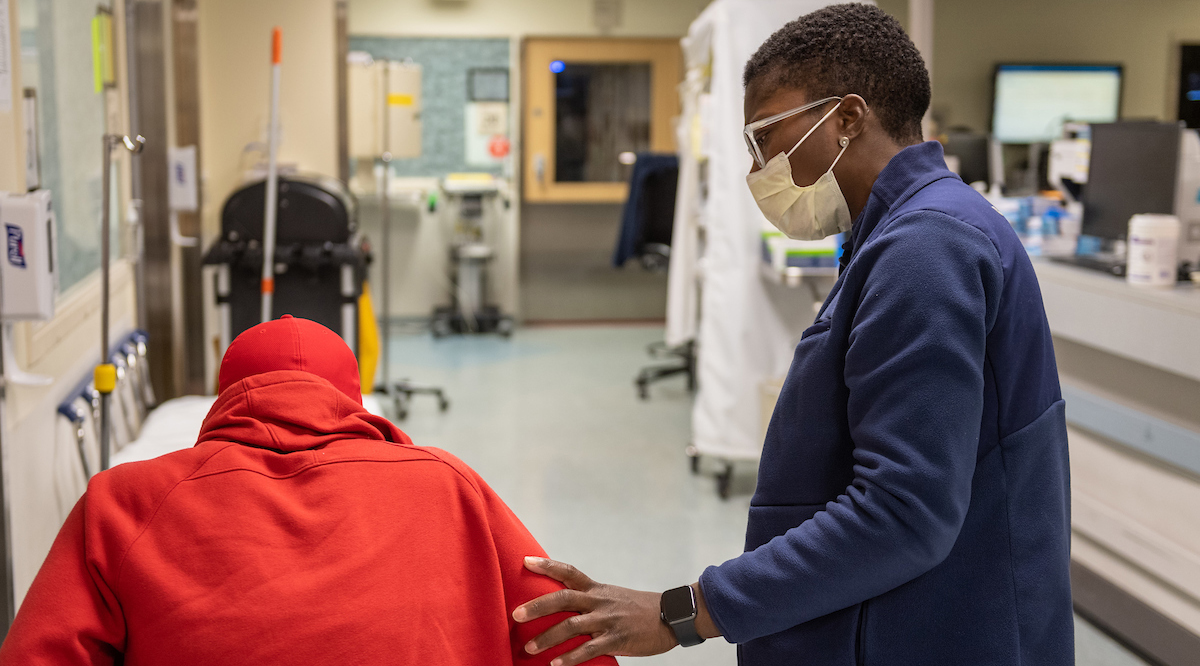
column 102, row 51
column 469, row 177
column 397, row 99
column 97, row 55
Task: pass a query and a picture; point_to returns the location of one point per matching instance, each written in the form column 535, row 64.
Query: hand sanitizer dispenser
column 28, row 271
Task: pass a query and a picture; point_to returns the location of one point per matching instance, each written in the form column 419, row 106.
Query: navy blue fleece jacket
column 913, row 496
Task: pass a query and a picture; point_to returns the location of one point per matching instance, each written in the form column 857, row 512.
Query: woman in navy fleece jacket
column 913, row 496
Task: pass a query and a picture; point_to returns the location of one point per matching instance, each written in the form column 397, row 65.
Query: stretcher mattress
column 175, row 425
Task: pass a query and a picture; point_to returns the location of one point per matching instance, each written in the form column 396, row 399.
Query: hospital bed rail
column 133, row 401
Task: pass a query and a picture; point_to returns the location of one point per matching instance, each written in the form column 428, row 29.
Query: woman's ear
column 852, row 116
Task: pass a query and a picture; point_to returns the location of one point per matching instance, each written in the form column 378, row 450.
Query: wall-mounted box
column 384, row 90
column 28, row 274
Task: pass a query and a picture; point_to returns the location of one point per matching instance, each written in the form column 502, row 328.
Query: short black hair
column 850, row 49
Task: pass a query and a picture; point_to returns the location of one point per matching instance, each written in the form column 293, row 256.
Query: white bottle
column 1034, row 235
column 1153, row 250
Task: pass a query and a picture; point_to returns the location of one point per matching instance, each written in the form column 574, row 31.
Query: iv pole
column 105, row 375
column 385, row 205
column 272, row 194
column 399, row 393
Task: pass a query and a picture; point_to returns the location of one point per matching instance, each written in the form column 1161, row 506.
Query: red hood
column 289, row 343
column 290, row 410
column 290, row 385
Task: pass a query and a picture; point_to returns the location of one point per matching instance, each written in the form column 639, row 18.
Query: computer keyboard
column 1110, row 264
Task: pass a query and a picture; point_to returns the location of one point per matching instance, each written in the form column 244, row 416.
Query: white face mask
column 802, row 213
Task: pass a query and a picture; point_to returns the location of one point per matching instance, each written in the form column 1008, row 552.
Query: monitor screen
column 1132, row 170
column 1032, row 102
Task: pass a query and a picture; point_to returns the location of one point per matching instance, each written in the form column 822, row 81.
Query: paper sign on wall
column 487, row 133
column 183, row 189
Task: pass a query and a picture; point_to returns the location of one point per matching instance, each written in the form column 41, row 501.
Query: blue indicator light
column 1193, row 95
column 558, row 66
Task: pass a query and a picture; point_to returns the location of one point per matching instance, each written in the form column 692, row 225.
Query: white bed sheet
column 175, row 425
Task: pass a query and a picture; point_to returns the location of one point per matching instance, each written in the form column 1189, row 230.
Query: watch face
column 677, row 604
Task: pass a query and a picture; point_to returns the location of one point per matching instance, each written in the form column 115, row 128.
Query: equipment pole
column 386, row 236
column 272, row 195
column 105, row 376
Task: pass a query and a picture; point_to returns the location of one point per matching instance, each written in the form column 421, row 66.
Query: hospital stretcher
column 141, row 428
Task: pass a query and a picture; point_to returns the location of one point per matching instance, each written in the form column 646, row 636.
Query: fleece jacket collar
column 291, row 410
column 906, row 173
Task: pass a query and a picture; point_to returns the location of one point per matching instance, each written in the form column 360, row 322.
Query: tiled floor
column 551, row 420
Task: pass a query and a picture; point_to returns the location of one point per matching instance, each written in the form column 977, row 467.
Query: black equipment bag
column 320, row 259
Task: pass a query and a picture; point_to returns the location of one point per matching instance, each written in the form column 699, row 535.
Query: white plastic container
column 1035, row 235
column 1153, row 250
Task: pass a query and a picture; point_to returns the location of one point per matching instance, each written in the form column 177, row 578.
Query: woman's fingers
column 559, row 571
column 574, row 598
column 556, row 602
column 589, row 650
column 576, row 625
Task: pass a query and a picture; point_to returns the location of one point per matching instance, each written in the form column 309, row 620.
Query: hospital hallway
column 551, row 420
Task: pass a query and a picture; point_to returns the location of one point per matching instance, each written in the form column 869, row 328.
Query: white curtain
column 747, row 329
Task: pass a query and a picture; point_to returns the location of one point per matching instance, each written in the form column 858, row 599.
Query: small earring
column 845, row 141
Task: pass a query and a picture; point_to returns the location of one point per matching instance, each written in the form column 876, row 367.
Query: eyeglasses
column 753, row 127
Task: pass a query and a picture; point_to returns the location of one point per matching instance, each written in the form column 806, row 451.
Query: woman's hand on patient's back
column 620, row 621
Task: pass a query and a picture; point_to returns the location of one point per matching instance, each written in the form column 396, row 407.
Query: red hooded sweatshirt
column 299, row 530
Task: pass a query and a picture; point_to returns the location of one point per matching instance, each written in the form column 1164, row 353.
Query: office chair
column 648, row 222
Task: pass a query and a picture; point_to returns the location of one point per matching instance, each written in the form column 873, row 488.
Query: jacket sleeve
column 914, row 369
column 513, row 544
column 70, row 616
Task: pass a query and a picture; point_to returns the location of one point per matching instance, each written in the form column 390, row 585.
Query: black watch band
column 686, row 634
column 677, row 608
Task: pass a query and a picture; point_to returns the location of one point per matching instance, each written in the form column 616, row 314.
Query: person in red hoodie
column 299, row 529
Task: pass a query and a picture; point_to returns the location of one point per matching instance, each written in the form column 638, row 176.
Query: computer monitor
column 973, row 155
column 1031, row 102
column 1133, row 169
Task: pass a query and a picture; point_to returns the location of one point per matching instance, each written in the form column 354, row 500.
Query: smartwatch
column 678, row 608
